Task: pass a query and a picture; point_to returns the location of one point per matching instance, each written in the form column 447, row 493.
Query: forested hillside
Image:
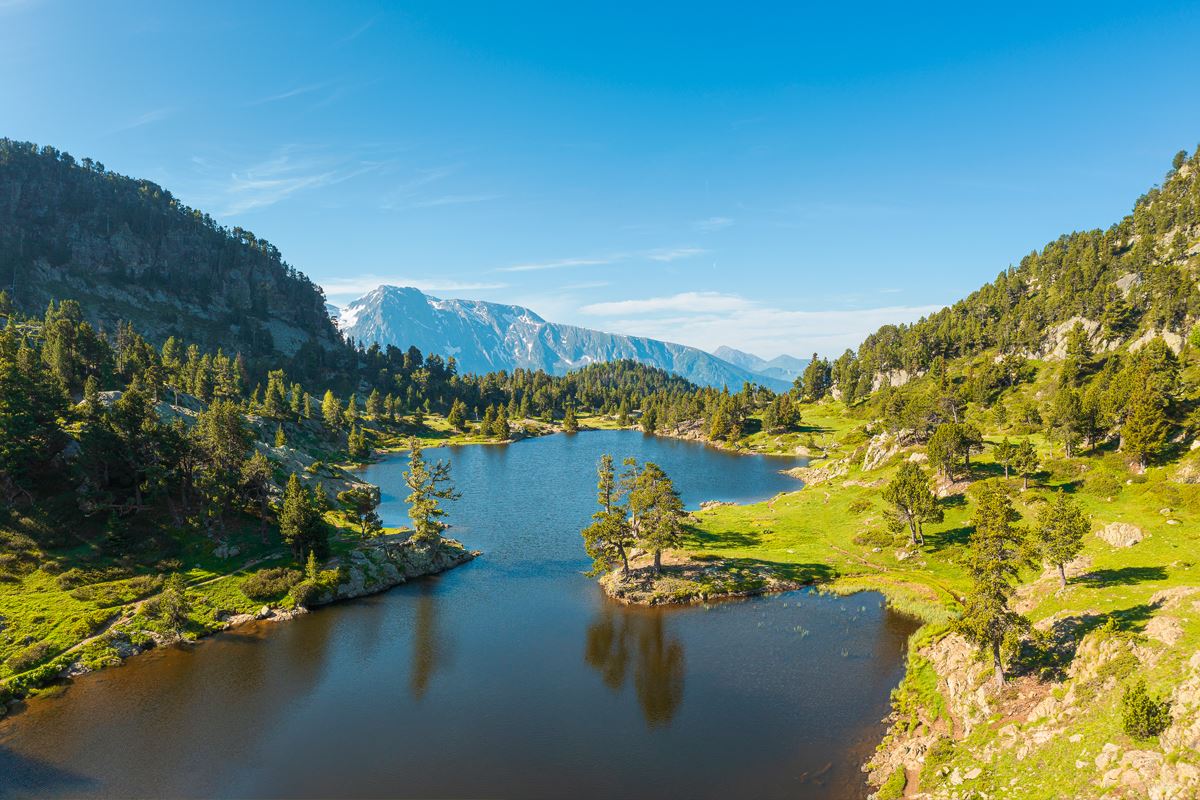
column 1138, row 276
column 126, row 249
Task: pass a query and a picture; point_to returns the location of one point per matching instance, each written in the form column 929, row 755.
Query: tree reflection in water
column 426, row 648
column 658, row 661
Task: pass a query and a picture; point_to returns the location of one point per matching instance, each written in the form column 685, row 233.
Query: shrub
column 30, row 657
column 120, row 592
column 893, row 787
column 859, row 505
column 270, row 584
column 936, row 757
column 1143, row 716
column 90, row 624
column 875, row 537
column 1103, row 484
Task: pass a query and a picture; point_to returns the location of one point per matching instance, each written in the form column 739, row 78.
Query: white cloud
column 356, row 285
column 692, row 302
column 664, row 254
column 565, row 262
column 284, row 174
column 711, row 319
column 712, row 224
column 673, row 253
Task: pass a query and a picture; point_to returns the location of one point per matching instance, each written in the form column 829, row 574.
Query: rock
column 973, row 774
column 1121, row 534
column 1172, row 522
column 707, row 504
column 1108, row 754
column 226, row 550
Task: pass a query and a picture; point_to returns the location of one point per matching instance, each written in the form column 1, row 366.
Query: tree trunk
column 1024, row 483
column 658, row 562
column 624, row 561
column 997, row 664
column 1006, row 472
column 1062, row 575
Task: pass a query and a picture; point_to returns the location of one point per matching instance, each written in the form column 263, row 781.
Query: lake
column 512, row 676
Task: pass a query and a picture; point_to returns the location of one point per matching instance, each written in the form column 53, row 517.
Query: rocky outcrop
column 1121, row 534
column 388, row 561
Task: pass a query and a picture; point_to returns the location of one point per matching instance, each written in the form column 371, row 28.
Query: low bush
column 30, row 657
column 1143, row 716
column 270, row 584
column 118, row 593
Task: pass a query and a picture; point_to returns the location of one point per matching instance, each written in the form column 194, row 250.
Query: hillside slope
column 128, row 250
column 487, row 337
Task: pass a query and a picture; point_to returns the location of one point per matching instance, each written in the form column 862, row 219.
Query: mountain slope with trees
column 128, row 250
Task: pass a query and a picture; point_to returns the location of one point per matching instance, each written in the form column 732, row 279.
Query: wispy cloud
column 673, row 253
column 711, row 224
column 663, row 254
column 290, row 93
column 565, row 262
column 450, row 200
column 408, row 194
column 355, row 285
column 357, row 32
column 691, row 302
column 289, row 171
column 148, row 118
column 711, row 319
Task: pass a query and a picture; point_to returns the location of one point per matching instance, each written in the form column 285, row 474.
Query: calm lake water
column 509, row 677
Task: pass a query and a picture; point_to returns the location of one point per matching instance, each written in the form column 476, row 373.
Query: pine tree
column 374, row 405
column 1025, row 461
column 655, row 504
column 300, row 522
column 331, row 411
column 1004, row 453
column 280, row 436
column 458, row 415
column 500, row 428
column 1061, row 526
column 427, row 485
column 360, row 505
column 912, row 502
column 1145, row 429
column 997, row 552
column 570, row 424
column 609, row 537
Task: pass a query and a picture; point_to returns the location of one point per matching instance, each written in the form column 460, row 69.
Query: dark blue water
column 509, row 677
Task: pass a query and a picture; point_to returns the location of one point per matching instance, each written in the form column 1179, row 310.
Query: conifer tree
column 1025, row 461
column 570, row 424
column 300, row 522
column 997, row 552
column 331, row 411
column 913, row 504
column 427, row 483
column 360, row 505
column 280, row 436
column 609, row 537
column 1145, row 428
column 1061, row 526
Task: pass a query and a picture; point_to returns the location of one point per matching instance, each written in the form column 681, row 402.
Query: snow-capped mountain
column 484, row 337
column 783, row 368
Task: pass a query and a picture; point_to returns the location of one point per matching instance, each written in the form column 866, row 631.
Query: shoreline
column 371, row 568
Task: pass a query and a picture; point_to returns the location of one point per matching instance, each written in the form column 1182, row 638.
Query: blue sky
column 776, row 178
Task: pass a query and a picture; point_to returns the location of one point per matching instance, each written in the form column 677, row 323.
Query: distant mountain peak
column 782, row 368
column 485, row 336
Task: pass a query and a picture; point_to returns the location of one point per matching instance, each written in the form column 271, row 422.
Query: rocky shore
column 373, row 567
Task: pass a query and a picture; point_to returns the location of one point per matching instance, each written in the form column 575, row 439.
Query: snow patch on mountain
column 484, row 337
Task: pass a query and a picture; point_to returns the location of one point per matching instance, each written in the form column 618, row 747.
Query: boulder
column 1121, row 534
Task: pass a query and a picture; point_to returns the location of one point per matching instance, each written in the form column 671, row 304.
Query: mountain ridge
column 483, row 336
